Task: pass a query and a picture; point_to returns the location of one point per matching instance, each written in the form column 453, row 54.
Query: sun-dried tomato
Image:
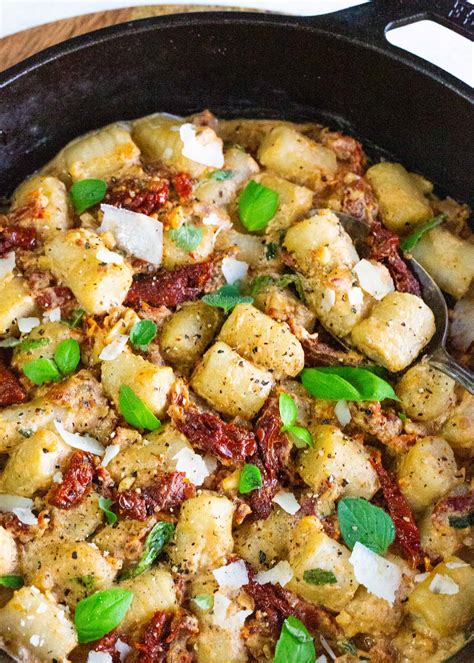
column 457, row 511
column 11, row 390
column 408, row 535
column 165, row 637
column 76, row 483
column 17, row 237
column 358, row 200
column 183, row 185
column 348, row 151
column 170, row 287
column 319, row 353
column 107, row 644
column 57, row 296
column 272, row 453
column 144, row 196
column 210, row 433
column 167, row 493
column 384, row 247
column 279, row 603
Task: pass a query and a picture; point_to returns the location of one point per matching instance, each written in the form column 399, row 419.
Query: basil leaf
column 99, row 613
column 301, row 436
column 221, row 175
column 41, row 370
column 335, row 383
column 250, row 478
column 67, row 356
column 361, row 521
column 186, row 237
column 105, row 503
column 32, row 344
column 204, row 601
column 319, row 577
column 86, row 193
column 288, row 411
column 11, row 581
column 295, row 644
column 76, row 318
column 226, row 297
column 461, row 522
column 134, row 410
column 257, row 205
column 158, row 537
column 411, row 240
column 142, row 334
column 260, row 282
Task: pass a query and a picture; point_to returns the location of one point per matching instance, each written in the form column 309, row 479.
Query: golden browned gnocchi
column 221, row 438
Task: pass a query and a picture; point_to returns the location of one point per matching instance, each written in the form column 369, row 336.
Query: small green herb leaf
column 105, row 503
column 295, row 644
column 76, row 318
column 460, row 522
column 301, row 436
column 98, row 614
column 204, row 601
column 187, row 237
column 134, row 410
column 221, row 175
column 260, row 282
column 142, row 334
column 86, row 193
column 87, row 582
column 11, row 581
column 361, row 521
column 412, row 240
column 402, row 416
column 158, row 537
column 32, row 344
column 319, row 577
column 226, row 297
column 41, row 370
column 67, row 356
column 9, row 342
column 250, row 478
column 257, row 205
column 288, row 411
column 335, row 383
column 271, row 250
column 26, row 432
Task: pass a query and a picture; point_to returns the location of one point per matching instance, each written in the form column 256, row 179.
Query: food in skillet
column 193, row 469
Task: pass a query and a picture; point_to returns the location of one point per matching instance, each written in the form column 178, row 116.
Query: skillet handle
column 371, row 20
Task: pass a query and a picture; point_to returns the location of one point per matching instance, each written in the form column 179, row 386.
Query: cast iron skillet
column 338, row 68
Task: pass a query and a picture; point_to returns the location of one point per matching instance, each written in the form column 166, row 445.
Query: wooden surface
column 23, row 44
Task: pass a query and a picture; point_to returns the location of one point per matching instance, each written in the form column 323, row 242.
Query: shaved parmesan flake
column 222, row 618
column 57, row 477
column 25, row 516
column 355, row 296
column 326, row 646
column 110, row 452
column 374, row 278
column 287, row 501
column 54, row 315
column 83, row 442
column 232, row 576
column 25, row 325
column 109, row 257
column 342, row 413
column 379, row 576
column 7, row 264
column 123, row 649
column 114, row 348
column 217, row 219
column 99, row 657
column 20, row 506
column 201, row 145
column 456, row 565
column 281, row 573
column 420, row 577
column 192, row 464
column 328, row 299
column 443, row 584
column 135, row 233
column 234, row 270
column 211, row 463
column 321, row 659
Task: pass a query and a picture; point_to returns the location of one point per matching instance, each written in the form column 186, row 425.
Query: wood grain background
column 21, row 45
